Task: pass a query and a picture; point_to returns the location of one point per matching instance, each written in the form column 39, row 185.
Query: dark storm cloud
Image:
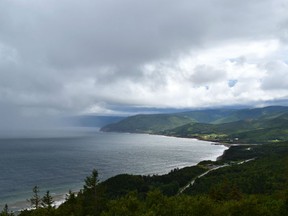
column 69, row 55
column 82, row 33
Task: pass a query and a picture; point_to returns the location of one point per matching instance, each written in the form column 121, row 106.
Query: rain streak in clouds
column 70, row 57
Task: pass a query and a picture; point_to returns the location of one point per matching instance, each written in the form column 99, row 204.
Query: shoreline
column 59, row 199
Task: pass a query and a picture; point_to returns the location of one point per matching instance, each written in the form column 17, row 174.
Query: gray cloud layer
column 77, row 56
column 82, row 33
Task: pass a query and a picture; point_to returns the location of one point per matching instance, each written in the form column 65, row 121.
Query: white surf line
column 205, row 173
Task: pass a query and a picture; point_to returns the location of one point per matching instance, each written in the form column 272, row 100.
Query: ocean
column 61, row 162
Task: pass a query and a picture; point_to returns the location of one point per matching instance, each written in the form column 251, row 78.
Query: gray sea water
column 59, row 163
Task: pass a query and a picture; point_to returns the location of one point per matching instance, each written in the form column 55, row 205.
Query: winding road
column 191, row 183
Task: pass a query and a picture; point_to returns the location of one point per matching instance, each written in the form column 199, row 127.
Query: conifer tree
column 5, row 211
column 91, row 182
column 70, row 196
column 47, row 200
column 35, row 200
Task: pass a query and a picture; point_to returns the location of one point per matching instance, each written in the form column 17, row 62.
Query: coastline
column 60, row 198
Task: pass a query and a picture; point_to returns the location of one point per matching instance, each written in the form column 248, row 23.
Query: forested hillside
column 244, row 131
column 148, row 123
column 259, row 125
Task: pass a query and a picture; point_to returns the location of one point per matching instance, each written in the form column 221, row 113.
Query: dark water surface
column 61, row 163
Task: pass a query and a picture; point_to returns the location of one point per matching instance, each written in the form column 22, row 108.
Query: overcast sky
column 102, row 56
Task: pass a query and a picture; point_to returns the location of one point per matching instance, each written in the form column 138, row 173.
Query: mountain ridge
column 220, row 125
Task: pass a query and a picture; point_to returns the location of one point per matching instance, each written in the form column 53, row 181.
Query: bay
column 61, row 162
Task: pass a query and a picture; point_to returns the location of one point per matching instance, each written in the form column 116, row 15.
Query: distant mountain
column 207, row 116
column 259, row 125
column 153, row 123
column 256, row 113
column 148, row 123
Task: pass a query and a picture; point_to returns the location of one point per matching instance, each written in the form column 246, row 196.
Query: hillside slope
column 268, row 124
column 147, row 123
column 243, row 131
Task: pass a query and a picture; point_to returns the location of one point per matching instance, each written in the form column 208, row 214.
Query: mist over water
column 60, row 161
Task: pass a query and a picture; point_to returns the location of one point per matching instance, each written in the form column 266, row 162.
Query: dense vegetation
column 148, row 123
column 244, row 131
column 266, row 173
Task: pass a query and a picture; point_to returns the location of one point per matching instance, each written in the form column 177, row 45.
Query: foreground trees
column 93, row 201
column 6, row 212
column 158, row 204
column 47, row 200
column 40, row 206
column 35, row 200
column 91, row 183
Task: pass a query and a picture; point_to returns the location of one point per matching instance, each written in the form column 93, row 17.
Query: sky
column 108, row 57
